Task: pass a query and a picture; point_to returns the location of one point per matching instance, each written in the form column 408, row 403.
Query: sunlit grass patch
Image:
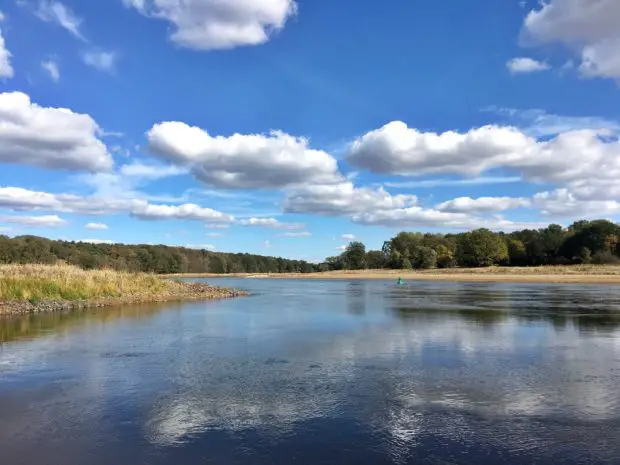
column 64, row 282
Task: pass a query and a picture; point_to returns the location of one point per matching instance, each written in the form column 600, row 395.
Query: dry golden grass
column 64, row 282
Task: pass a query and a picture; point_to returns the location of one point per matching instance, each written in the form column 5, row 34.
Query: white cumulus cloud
column 342, row 199
column 179, row 212
column 570, row 156
column 482, row 204
column 217, row 24
column 590, row 28
column 348, row 237
column 48, row 137
column 242, row 161
column 45, row 221
column 525, row 65
column 432, row 218
column 19, row 199
column 564, row 203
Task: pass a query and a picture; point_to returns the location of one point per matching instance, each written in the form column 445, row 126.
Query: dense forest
column 583, row 242
column 148, row 258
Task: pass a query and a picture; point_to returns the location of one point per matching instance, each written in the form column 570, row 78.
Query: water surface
column 321, row 372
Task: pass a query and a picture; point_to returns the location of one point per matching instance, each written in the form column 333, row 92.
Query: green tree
column 405, row 241
column 375, row 259
column 585, row 256
column 445, row 257
column 354, row 256
column 424, row 257
column 598, row 236
column 481, row 247
column 517, row 253
column 334, row 263
column 406, row 264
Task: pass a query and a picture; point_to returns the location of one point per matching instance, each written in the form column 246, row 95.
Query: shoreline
column 189, row 292
column 579, row 274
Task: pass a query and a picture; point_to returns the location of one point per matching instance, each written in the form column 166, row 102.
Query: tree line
column 582, row 242
column 147, row 258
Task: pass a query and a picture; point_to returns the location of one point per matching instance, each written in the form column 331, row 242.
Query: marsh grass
column 36, row 283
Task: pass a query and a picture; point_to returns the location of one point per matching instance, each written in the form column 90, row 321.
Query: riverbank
column 41, row 288
column 578, row 274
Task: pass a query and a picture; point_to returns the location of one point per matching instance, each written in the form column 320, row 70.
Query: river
column 321, row 372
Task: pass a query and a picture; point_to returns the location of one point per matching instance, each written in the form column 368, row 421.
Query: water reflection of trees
column 587, row 308
column 478, row 316
column 356, row 297
column 44, row 324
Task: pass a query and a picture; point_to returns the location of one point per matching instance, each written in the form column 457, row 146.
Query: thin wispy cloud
column 101, row 60
column 51, row 67
column 61, row 15
column 430, row 183
column 536, row 122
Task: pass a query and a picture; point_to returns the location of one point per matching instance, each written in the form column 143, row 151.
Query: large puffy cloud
column 590, row 27
column 49, row 137
column 482, row 204
column 45, row 221
column 20, row 199
column 217, row 24
column 571, row 156
column 602, row 189
column 398, row 149
column 342, row 199
column 564, row 203
column 187, row 211
column 270, row 223
column 377, row 207
column 242, row 161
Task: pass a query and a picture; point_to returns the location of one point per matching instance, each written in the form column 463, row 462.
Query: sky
column 290, row 127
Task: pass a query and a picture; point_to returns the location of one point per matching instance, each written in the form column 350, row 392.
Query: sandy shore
column 584, row 274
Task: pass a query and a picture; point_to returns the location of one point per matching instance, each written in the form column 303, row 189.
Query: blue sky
column 278, row 126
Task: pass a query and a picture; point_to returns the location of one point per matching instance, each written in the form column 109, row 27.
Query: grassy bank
column 38, row 288
column 586, row 274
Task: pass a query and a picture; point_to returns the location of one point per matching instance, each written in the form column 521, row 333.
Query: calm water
column 321, row 373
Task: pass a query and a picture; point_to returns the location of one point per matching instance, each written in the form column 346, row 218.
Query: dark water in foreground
column 321, row 373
